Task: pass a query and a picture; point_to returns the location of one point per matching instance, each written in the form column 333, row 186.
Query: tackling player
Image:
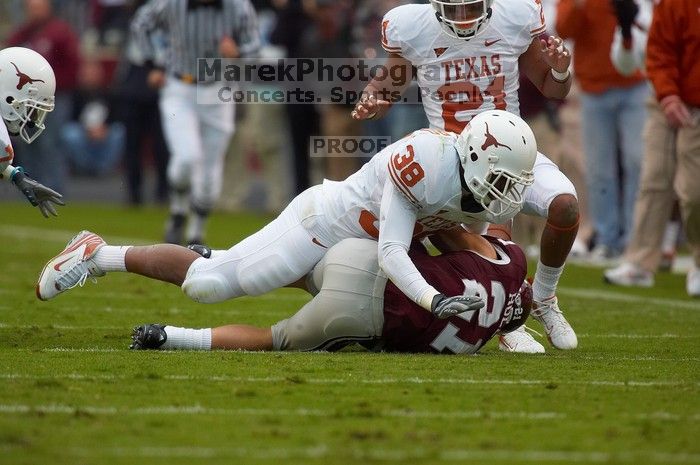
column 354, row 302
column 468, row 55
column 27, row 86
column 428, row 181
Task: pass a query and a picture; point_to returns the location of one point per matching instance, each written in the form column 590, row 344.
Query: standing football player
column 428, row 181
column 468, row 55
column 27, row 86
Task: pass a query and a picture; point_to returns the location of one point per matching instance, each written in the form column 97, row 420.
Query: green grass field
column 71, row 392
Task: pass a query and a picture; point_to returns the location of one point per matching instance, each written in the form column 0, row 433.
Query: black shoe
column 175, row 231
column 146, row 337
column 202, row 250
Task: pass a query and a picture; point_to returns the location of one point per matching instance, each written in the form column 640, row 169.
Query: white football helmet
column 462, row 19
column 27, row 87
column 497, row 151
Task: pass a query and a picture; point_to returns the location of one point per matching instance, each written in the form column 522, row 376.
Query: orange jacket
column 592, row 27
column 673, row 50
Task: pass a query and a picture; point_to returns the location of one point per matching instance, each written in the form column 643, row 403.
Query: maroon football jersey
column 410, row 328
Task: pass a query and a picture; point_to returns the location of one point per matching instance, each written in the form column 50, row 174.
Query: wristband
column 560, row 77
column 17, row 170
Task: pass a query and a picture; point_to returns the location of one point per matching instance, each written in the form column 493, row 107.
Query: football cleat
column 559, row 332
column 519, row 341
column 72, row 267
column 148, row 337
column 202, row 250
column 629, row 274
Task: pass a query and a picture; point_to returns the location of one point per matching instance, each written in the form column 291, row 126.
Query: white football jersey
column 460, row 78
column 424, row 167
column 6, row 152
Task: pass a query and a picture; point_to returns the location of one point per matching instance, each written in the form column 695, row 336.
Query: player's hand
column 368, row 107
column 555, row 53
column 38, row 194
column 677, row 113
column 228, row 48
column 445, row 307
column 156, row 78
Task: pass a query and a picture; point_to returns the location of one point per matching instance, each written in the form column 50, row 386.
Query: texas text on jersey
column 409, row 328
column 460, row 78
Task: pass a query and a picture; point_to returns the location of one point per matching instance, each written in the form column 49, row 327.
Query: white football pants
column 197, row 136
column 282, row 252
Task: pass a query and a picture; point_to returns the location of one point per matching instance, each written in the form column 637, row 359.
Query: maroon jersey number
column 488, row 316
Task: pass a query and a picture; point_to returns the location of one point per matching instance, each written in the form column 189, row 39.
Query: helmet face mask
column 462, row 19
column 30, row 116
column 27, row 87
column 501, row 193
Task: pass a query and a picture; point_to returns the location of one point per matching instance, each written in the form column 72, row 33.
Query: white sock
column 195, row 228
column 179, row 201
column 111, row 258
column 186, row 338
column 546, row 280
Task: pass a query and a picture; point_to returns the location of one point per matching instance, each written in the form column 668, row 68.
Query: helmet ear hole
column 10, row 99
column 474, row 156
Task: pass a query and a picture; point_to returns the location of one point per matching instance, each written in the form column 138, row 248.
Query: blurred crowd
column 107, row 121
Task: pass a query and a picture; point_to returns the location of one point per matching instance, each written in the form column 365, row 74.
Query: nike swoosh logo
column 315, row 241
column 57, row 266
column 489, row 43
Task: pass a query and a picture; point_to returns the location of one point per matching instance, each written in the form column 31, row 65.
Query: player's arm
column 396, row 223
column 396, row 76
column 546, row 63
column 37, row 194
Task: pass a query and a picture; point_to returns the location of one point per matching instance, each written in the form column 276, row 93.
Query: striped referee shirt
column 193, row 29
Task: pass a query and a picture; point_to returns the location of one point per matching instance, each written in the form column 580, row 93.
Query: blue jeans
column 612, row 123
column 93, row 157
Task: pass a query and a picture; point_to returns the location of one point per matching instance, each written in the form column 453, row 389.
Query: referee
column 197, row 134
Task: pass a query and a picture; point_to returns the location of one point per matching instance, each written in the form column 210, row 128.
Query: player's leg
column 281, row 253
column 347, row 309
column 181, row 131
column 88, row 256
column 216, row 124
column 552, row 196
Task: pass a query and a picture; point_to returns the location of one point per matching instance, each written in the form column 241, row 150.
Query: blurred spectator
column 672, row 135
column 138, row 110
column 330, row 36
column 612, row 115
column 93, row 140
column 292, row 22
column 55, row 40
